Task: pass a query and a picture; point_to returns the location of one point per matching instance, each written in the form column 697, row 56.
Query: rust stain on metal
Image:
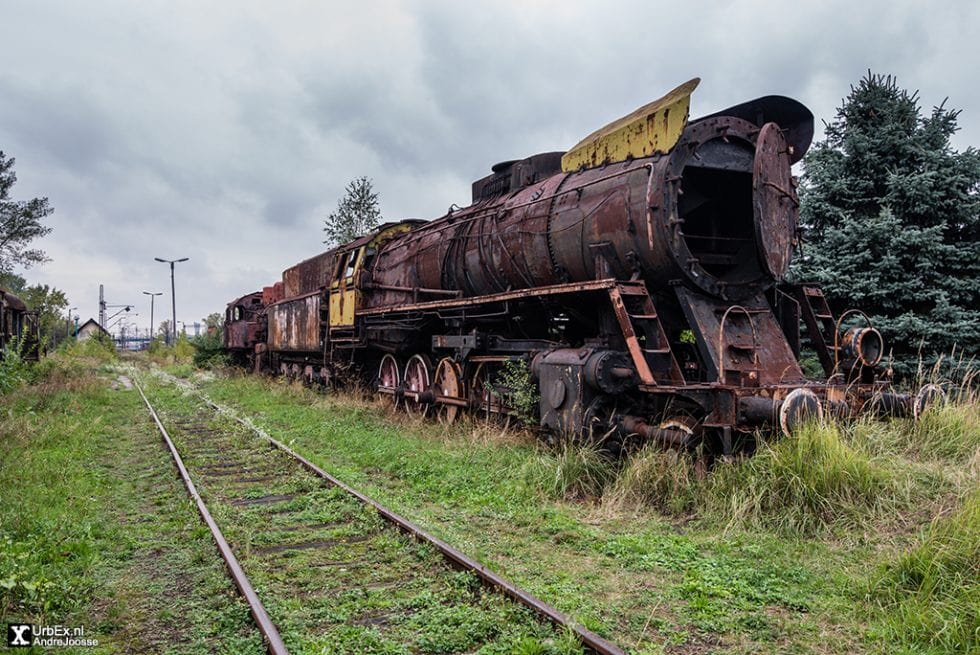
column 294, row 324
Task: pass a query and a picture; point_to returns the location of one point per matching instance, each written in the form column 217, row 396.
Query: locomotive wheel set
column 639, row 277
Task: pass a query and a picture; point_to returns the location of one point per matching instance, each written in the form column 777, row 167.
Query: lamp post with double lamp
column 172, row 298
column 152, row 294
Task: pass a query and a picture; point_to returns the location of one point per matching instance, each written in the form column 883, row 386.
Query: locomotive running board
column 739, row 344
column 518, row 294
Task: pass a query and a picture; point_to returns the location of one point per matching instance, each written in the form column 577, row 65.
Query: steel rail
column 270, row 633
column 589, row 639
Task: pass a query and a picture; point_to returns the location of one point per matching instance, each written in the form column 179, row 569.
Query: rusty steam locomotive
column 640, row 276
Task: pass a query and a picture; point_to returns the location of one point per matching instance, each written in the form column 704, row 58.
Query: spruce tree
column 891, row 218
column 357, row 213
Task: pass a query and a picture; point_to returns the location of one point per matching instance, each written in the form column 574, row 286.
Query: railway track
column 321, row 564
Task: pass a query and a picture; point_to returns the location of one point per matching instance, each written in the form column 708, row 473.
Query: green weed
column 521, row 390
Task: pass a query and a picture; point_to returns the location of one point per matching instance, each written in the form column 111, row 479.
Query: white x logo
column 19, row 631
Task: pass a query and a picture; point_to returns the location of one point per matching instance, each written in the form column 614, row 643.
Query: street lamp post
column 68, row 330
column 152, row 295
column 173, row 299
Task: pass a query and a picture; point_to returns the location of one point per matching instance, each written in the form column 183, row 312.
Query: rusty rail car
column 19, row 327
column 640, row 275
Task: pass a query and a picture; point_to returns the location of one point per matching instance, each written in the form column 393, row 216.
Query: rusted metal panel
column 294, row 324
column 775, row 201
column 557, row 289
column 245, row 321
column 272, row 294
column 236, row 335
column 309, row 275
column 741, row 344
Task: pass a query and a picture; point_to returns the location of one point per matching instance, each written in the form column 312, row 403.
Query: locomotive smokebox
column 719, row 211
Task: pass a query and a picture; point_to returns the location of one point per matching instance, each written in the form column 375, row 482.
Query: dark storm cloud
column 225, row 132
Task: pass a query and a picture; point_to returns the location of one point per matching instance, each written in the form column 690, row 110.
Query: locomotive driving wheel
column 418, row 376
column 485, row 398
column 448, row 384
column 389, row 377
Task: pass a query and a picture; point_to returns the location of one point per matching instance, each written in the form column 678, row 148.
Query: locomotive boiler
column 640, row 277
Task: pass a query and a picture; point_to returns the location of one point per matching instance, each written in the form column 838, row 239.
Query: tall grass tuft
column 803, row 483
column 931, row 595
column 951, row 430
column 572, row 470
column 666, row 480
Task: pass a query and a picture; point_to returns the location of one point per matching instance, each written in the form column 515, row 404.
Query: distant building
column 89, row 329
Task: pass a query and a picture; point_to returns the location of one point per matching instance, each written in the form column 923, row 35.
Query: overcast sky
column 226, row 131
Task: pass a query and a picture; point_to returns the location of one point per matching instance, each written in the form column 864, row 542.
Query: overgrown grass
column 652, row 477
column 930, row 596
column 768, row 554
column 951, row 430
column 815, row 479
column 811, row 480
column 95, row 530
column 14, row 369
column 572, row 470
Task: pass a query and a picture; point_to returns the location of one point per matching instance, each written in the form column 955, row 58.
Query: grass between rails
column 95, row 531
column 366, row 588
column 783, row 552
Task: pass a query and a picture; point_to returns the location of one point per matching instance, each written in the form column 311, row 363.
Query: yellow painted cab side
column 344, row 294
